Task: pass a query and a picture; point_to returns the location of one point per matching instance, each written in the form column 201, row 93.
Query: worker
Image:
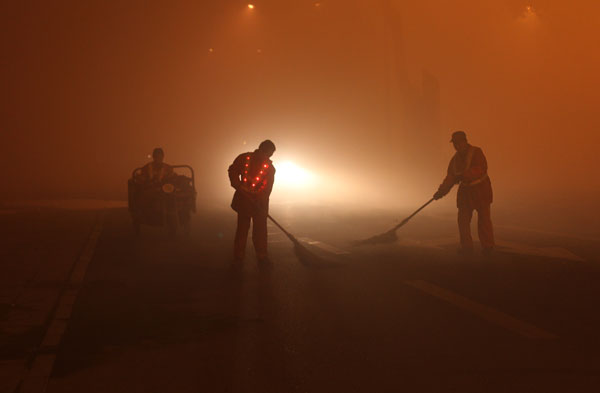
column 252, row 175
column 157, row 171
column 468, row 168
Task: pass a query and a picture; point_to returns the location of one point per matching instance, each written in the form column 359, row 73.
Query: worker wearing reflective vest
column 157, row 171
column 468, row 168
column 252, row 175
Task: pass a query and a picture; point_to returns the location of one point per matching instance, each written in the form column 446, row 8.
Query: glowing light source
column 251, row 6
column 291, row 175
column 529, row 18
column 529, row 11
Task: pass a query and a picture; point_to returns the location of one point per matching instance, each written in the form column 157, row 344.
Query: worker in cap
column 252, row 175
column 157, row 171
column 468, row 168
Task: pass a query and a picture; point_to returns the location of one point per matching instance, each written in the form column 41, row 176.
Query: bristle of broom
column 387, row 237
column 304, row 255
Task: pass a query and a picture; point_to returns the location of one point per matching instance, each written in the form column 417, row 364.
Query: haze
column 362, row 95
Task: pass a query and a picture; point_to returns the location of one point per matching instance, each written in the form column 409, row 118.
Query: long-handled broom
column 304, row 255
column 390, row 236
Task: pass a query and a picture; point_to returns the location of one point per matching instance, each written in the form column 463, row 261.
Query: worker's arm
column 449, row 181
column 235, row 171
column 478, row 167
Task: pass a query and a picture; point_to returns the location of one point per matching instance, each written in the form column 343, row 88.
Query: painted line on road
column 548, row 252
column 487, row 313
column 501, row 245
column 38, row 375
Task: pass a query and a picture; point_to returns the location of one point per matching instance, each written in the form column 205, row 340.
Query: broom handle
column 414, row 214
column 249, row 198
column 279, row 226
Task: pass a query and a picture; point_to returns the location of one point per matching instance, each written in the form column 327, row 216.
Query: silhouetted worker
column 468, row 168
column 252, row 175
column 157, row 171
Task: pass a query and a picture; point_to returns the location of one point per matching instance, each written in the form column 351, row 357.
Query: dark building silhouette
column 413, row 112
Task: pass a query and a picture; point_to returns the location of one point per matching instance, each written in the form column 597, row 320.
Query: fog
column 360, row 98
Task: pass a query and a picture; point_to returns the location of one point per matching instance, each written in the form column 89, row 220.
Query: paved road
column 155, row 314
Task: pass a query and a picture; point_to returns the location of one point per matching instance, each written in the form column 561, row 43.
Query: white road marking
column 551, row 233
column 520, row 228
column 42, row 365
column 324, row 246
column 54, row 333
column 39, row 373
column 550, row 252
column 487, row 313
column 501, row 245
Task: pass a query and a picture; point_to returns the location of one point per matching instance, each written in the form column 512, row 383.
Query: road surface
column 88, row 307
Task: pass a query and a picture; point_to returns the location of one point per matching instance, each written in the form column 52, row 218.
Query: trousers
column 259, row 235
column 485, row 229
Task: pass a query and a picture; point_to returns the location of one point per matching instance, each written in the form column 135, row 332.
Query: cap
column 458, row 135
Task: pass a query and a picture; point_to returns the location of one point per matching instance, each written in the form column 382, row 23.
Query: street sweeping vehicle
column 168, row 203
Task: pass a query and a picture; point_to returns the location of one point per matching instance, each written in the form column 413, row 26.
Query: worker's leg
column 241, row 236
column 259, row 235
column 464, row 228
column 484, row 227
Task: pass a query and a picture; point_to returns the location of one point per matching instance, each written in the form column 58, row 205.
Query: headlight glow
column 290, row 175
